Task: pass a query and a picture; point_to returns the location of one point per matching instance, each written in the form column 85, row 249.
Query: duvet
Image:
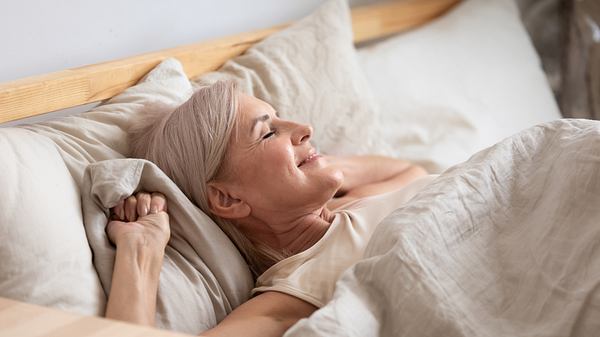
column 505, row 244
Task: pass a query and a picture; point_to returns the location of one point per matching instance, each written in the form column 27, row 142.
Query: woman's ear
column 222, row 204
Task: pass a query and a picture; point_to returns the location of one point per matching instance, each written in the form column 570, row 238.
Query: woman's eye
column 269, row 134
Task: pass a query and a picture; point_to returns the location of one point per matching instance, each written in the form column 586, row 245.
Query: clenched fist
column 140, row 219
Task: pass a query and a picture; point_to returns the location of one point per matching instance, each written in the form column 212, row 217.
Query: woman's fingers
column 143, row 204
column 136, row 224
column 131, row 208
column 118, row 211
column 139, row 205
column 158, row 203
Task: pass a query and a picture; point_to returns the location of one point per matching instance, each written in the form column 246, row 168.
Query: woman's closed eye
column 269, row 134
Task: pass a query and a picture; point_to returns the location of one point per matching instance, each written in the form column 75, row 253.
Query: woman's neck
column 292, row 235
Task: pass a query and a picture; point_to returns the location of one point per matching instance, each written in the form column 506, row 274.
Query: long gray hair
column 189, row 144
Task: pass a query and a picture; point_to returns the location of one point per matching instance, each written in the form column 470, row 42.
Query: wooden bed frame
column 63, row 89
column 68, row 88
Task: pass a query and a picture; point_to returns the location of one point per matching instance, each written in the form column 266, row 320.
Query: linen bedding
column 203, row 277
column 505, row 244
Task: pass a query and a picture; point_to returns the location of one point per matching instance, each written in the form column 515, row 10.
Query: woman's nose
column 302, row 134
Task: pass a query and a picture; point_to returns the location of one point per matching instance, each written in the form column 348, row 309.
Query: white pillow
column 309, row 73
column 458, row 84
column 44, row 254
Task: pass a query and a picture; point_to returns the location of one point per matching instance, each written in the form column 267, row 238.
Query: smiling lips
column 312, row 157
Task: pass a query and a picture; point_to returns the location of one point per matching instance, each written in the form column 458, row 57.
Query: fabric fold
column 203, row 277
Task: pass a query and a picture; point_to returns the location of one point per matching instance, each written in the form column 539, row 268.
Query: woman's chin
column 331, row 178
column 324, row 178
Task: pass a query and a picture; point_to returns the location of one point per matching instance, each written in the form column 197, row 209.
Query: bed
column 460, row 92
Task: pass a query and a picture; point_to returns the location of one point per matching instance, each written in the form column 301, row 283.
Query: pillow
column 45, row 255
column 101, row 133
column 309, row 73
column 49, row 251
column 44, row 252
column 458, row 84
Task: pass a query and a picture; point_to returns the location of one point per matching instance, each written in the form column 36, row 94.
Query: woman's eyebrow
column 259, row 119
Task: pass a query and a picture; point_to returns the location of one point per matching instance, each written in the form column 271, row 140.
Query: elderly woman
column 299, row 218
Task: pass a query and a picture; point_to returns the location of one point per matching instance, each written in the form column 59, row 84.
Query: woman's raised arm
column 371, row 174
column 140, row 238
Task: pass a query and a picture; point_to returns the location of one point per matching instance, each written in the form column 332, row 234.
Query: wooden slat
column 380, row 20
column 63, row 89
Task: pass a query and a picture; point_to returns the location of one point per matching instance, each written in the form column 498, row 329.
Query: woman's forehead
column 251, row 108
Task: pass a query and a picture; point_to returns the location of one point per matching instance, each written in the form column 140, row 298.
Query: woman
column 299, row 218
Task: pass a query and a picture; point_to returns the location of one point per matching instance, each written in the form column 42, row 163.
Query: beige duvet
column 506, row 244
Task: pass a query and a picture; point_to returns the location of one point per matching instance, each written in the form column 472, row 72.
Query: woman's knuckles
column 142, row 216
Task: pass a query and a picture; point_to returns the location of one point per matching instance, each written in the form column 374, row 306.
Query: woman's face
column 271, row 165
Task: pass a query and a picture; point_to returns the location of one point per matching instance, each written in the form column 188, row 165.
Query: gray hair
column 189, row 144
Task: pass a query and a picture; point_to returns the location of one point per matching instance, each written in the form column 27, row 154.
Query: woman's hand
column 140, row 219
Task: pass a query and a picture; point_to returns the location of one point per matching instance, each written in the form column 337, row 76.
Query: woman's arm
column 140, row 250
column 372, row 174
column 268, row 314
column 135, row 284
column 140, row 240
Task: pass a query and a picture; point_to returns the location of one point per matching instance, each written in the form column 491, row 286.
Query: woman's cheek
column 282, row 160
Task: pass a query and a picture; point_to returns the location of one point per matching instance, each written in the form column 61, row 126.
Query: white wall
column 40, row 36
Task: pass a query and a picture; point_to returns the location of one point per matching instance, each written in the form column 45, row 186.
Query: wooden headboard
column 41, row 94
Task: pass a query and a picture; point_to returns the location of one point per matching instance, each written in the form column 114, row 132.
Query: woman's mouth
column 312, row 158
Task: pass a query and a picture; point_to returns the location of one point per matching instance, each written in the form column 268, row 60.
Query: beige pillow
column 44, row 254
column 309, row 73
